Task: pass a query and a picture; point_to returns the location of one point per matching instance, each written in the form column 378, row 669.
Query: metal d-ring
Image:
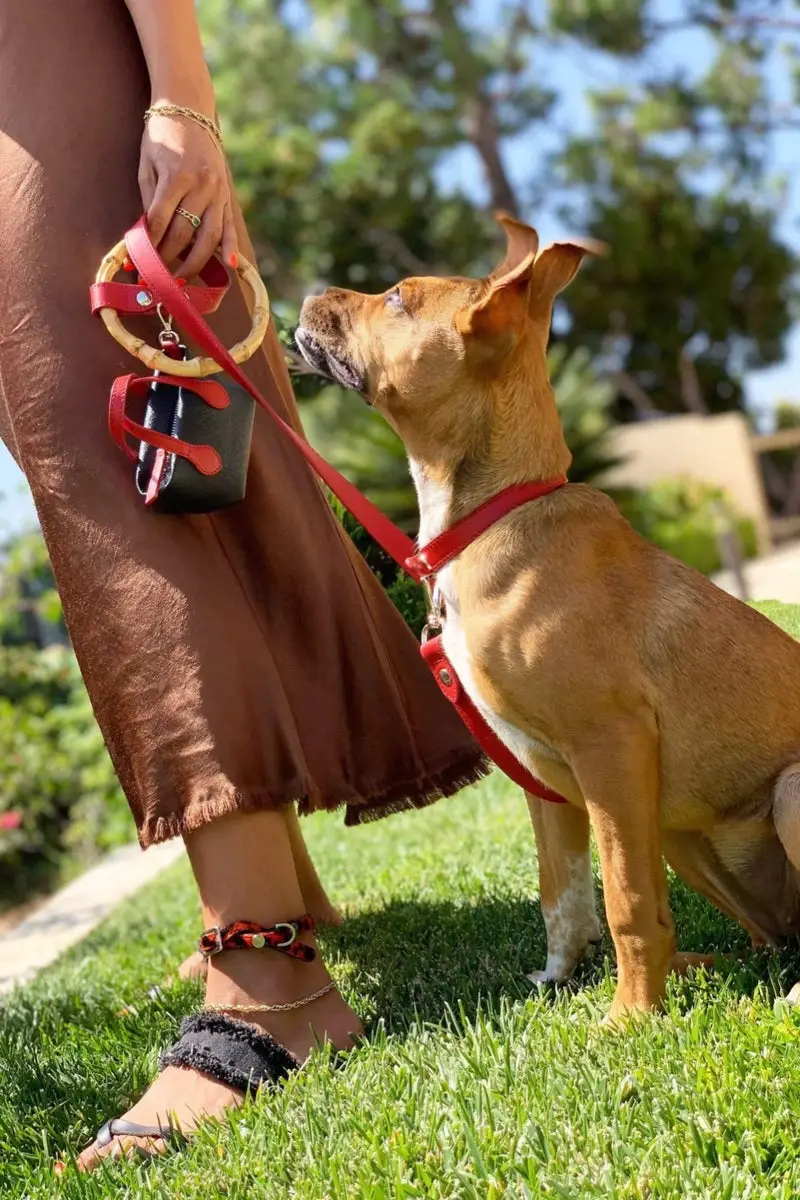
column 292, row 934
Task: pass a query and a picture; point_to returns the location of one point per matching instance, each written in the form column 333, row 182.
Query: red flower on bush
column 10, row 820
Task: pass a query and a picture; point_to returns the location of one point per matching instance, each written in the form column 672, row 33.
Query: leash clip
column 168, row 336
column 435, row 621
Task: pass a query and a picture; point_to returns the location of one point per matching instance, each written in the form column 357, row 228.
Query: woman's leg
column 314, row 895
column 315, row 898
column 245, row 870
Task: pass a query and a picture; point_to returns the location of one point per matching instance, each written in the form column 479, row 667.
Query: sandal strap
column 119, row 1127
column 249, row 935
column 232, row 1052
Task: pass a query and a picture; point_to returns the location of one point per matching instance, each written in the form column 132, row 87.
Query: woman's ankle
column 240, row 982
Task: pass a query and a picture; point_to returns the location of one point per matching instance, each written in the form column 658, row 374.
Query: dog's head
column 431, row 346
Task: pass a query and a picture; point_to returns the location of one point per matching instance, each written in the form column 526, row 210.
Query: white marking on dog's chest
column 521, row 744
column 434, row 505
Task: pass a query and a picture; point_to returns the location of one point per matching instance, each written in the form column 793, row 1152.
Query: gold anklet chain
column 162, row 109
column 288, row 1007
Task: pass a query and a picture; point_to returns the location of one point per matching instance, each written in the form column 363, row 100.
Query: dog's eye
column 394, row 299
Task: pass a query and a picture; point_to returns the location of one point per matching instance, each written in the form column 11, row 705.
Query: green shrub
column 682, row 516
column 56, row 772
column 407, row 596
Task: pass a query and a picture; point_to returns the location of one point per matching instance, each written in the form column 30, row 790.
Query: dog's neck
column 521, row 442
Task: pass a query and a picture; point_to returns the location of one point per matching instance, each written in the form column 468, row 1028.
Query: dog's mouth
column 323, row 359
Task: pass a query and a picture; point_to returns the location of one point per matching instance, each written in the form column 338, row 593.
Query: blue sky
column 570, row 70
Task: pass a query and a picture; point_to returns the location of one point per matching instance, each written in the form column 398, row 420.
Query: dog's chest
column 521, row 744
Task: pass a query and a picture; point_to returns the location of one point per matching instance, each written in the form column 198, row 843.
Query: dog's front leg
column 566, row 886
column 617, row 768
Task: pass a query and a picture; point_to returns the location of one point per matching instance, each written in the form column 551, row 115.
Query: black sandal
column 232, row 1052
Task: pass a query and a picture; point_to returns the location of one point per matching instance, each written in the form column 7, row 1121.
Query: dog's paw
column 793, row 997
column 557, row 969
column 546, row 976
column 561, row 963
column 594, row 934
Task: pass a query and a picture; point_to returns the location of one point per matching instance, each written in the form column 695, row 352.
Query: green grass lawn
column 471, row 1085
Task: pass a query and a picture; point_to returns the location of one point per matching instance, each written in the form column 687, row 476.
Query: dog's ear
column 555, row 267
column 502, row 305
column 522, row 242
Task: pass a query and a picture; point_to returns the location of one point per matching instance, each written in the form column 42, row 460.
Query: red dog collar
column 448, row 545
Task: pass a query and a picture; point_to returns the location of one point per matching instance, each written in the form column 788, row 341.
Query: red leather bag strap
column 165, row 290
column 204, row 458
column 132, row 298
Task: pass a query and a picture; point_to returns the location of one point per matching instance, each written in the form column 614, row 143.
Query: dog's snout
column 336, row 296
column 321, row 291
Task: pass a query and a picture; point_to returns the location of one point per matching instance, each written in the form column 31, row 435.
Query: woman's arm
column 181, row 163
column 170, row 38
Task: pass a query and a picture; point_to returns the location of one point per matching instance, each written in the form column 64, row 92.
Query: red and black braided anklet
column 249, row 935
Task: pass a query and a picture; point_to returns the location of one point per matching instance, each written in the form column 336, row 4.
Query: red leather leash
column 184, row 306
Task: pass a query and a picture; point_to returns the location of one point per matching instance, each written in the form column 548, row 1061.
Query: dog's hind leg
column 786, row 811
column 744, row 870
column 566, row 886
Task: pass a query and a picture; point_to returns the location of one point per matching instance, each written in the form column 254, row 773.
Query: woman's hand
column 182, row 166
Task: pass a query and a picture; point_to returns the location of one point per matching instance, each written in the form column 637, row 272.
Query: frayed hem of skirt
column 460, row 772
column 454, row 778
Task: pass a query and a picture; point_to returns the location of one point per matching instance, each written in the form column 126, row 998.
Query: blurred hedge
column 57, row 775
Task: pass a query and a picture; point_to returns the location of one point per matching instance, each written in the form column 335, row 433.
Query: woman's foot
column 183, row 1097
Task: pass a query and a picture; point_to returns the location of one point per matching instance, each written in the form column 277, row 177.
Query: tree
column 343, row 118
column 675, row 176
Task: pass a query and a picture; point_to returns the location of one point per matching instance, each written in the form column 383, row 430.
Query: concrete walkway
column 774, row 577
column 72, row 913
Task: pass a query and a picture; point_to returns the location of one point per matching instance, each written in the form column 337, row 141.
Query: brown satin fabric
column 235, row 661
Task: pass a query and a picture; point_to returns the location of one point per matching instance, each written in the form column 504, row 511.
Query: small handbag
column 192, row 448
column 169, row 482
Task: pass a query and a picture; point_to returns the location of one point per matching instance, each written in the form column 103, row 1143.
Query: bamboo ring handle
column 192, row 368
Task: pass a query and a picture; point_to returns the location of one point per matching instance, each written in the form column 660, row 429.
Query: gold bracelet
column 255, row 1008
column 162, row 109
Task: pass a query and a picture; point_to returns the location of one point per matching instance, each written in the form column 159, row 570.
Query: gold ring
column 192, row 218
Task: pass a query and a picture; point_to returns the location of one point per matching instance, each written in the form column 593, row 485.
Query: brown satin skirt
column 236, row 661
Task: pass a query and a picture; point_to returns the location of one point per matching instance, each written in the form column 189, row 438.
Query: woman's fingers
column 160, row 214
column 175, row 233
column 230, row 241
column 207, row 238
column 147, row 184
column 182, row 230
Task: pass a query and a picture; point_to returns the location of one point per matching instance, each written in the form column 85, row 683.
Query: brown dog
column 665, row 711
